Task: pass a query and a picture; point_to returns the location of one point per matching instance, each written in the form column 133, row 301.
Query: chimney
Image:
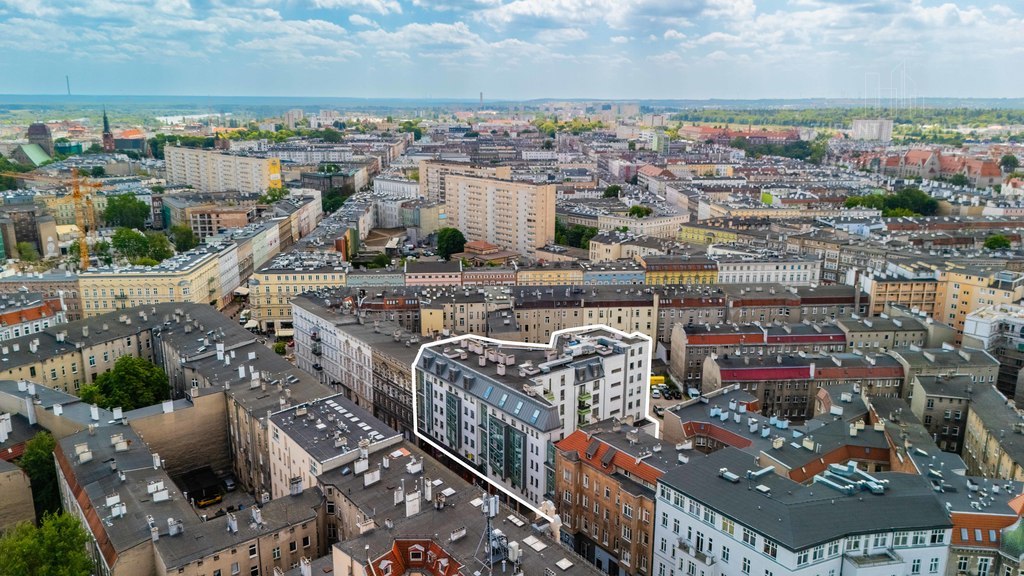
column 305, row 569
column 94, row 412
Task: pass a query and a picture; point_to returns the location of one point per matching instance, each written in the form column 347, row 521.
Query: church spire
column 106, row 122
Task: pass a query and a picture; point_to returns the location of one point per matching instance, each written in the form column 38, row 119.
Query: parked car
column 229, row 484
column 655, row 393
column 659, row 411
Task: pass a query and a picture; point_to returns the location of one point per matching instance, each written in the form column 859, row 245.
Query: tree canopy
column 37, row 462
column 56, row 548
column 450, row 241
column 138, row 247
column 612, row 191
column 1009, row 162
column 905, row 202
column 126, row 210
column 27, row 251
column 183, row 237
column 132, row 383
column 577, row 235
column 997, row 242
column 640, row 211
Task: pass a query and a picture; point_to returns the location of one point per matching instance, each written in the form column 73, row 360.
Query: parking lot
column 662, row 401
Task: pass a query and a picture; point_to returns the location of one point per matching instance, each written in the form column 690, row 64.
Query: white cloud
column 359, row 20
column 560, row 35
column 383, row 7
column 619, row 39
column 732, row 9
column 674, row 35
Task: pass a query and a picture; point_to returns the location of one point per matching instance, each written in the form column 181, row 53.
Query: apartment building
column 786, row 270
column 272, row 287
column 142, row 524
column 942, row 404
column 48, row 285
column 947, row 361
column 319, row 436
column 550, row 274
column 993, row 445
column 616, row 245
column 785, row 385
column 193, row 276
column 25, row 313
column 605, row 481
column 708, row 519
column 434, row 173
column 499, row 412
column 912, row 290
column 217, row 171
column 999, row 330
column 963, row 290
column 516, row 216
column 678, row 270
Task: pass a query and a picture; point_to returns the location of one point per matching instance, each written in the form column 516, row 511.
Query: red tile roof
column 579, row 441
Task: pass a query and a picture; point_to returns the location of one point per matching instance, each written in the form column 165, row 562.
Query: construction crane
column 85, row 214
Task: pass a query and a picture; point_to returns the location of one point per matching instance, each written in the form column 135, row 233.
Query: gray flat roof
column 378, row 502
column 798, row 516
column 315, row 425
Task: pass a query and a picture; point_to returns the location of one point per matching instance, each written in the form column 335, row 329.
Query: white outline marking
column 526, row 345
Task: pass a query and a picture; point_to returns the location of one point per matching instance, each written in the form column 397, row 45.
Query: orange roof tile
column 578, row 442
column 985, row 522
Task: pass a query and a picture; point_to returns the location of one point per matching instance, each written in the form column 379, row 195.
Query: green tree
column 37, row 462
column 640, row 211
column 102, row 251
column 280, row 348
column 56, row 548
column 380, row 261
column 997, row 242
column 1009, row 162
column 183, row 237
column 133, row 383
column 272, row 195
column 159, row 247
column 126, row 210
column 130, row 244
column 959, row 180
column 27, row 252
column 612, row 191
column 899, row 213
column 98, row 172
column 450, row 241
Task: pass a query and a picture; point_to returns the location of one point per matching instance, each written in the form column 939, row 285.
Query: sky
column 515, row 49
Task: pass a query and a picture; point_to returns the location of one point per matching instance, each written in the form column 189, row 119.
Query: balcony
column 318, row 367
column 583, row 413
column 688, row 548
column 315, row 336
column 317, row 350
column 586, row 397
column 120, row 297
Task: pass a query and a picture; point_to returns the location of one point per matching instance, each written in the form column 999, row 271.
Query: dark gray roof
column 1000, row 419
column 947, row 386
column 315, row 425
column 798, row 516
column 377, row 502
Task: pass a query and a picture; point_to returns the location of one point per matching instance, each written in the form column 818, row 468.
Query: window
column 709, row 515
column 234, row 568
column 725, row 554
column 900, row 539
column 664, row 520
column 833, row 548
column 919, row 538
column 305, row 541
column 802, row 557
column 961, row 563
column 938, row 537
column 627, row 511
column 254, row 571
column 675, row 525
column 983, row 566
column 749, row 538
column 915, row 566
column 880, row 540
column 933, row 566
column 627, row 533
column 818, row 553
column 746, row 566
column 728, row 526
column 292, row 546
column 770, row 548
column 252, row 550
column 276, row 553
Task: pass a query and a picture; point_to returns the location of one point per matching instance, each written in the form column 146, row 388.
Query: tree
column 997, row 242
column 1009, row 162
column 27, row 252
column 102, row 250
column 612, row 191
column 380, row 261
column 959, row 180
column 126, row 210
column 272, row 195
column 450, row 241
column 130, row 244
column 159, row 246
column 57, row 547
column 280, row 348
column 640, row 211
column 37, row 462
column 183, row 237
column 133, row 383
column 98, row 172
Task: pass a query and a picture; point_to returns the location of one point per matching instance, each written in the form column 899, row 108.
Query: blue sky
column 515, row 49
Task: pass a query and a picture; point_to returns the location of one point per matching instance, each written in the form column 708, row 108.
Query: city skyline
column 546, row 49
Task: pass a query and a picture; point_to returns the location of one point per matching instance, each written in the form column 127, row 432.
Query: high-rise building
column 216, row 171
column 517, row 216
column 433, row 173
column 39, row 133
